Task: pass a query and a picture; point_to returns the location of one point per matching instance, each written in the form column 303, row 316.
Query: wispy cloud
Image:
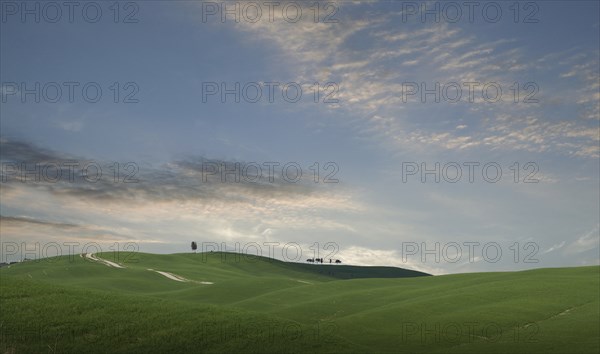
column 587, row 242
column 371, row 82
column 180, row 195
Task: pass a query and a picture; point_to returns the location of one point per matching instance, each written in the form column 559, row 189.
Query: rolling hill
column 221, row 302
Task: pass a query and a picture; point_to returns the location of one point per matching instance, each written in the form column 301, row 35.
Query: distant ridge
column 357, row 272
column 337, row 271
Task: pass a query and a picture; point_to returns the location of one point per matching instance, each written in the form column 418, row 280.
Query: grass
column 263, row 305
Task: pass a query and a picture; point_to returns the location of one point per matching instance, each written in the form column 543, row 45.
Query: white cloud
column 586, row 242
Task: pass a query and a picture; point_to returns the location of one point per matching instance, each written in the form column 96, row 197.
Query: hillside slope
column 545, row 310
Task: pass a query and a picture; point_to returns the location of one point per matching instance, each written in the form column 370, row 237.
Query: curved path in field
column 103, row 261
column 178, row 277
column 171, row 276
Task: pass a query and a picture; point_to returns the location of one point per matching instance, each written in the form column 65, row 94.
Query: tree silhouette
column 194, row 246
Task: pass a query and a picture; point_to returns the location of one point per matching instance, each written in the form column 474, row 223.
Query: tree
column 194, row 246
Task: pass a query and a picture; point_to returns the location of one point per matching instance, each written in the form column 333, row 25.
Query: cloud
column 25, row 228
column 370, row 82
column 189, row 179
column 357, row 255
column 172, row 202
column 587, row 242
column 71, row 125
column 554, row 247
column 27, row 220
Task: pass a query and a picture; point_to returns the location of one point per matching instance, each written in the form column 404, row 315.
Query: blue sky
column 370, row 54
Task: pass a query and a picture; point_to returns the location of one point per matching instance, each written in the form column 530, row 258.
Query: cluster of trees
column 320, row 260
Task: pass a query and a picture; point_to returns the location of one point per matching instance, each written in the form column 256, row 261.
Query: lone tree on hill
column 194, row 246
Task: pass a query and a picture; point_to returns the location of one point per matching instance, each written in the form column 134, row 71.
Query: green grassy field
column 239, row 304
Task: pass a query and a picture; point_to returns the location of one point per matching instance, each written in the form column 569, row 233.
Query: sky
column 197, row 105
